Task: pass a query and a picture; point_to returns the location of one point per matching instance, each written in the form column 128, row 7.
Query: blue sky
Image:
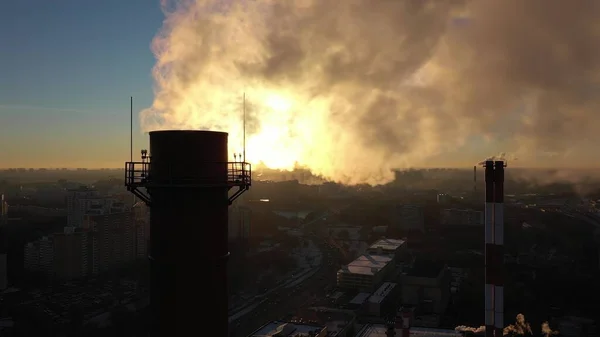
column 68, row 68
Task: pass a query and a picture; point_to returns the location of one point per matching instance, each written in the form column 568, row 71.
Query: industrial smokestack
column 403, row 321
column 489, row 248
column 499, row 247
column 475, row 180
column 185, row 181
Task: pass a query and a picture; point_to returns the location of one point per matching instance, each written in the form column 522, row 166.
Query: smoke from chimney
column 521, row 327
column 547, row 331
column 351, row 89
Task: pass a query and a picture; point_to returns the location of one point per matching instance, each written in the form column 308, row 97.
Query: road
column 287, row 301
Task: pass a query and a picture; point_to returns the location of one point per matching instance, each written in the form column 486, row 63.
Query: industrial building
column 426, row 285
column 365, row 273
column 380, row 330
column 384, row 300
column 461, row 217
column 394, row 247
column 409, row 217
column 443, row 198
column 339, row 323
column 285, row 329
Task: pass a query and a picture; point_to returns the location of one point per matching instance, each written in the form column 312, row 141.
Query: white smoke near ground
column 351, row 89
column 464, row 328
column 521, row 327
column 547, row 331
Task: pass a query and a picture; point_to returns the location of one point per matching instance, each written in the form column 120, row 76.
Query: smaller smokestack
column 499, row 247
column 403, row 321
column 489, row 248
column 390, row 328
column 475, row 180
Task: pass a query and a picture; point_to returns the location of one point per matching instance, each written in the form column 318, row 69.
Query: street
column 286, row 301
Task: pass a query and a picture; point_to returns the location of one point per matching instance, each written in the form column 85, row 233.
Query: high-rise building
column 70, row 254
column 3, row 272
column 141, row 220
column 3, row 210
column 112, row 240
column 39, row 255
column 239, row 223
column 77, row 205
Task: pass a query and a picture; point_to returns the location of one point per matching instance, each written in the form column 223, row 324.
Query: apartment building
column 141, row 221
column 112, row 238
column 39, row 255
column 70, row 254
column 3, row 210
column 77, row 204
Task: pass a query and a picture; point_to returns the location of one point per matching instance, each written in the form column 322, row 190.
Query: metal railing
column 137, row 174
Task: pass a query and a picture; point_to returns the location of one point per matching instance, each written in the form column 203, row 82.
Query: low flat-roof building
column 379, row 330
column 365, row 273
column 383, row 301
column 394, row 247
column 426, row 284
column 285, row 329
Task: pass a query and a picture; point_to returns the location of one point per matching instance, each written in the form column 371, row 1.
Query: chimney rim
column 187, row 131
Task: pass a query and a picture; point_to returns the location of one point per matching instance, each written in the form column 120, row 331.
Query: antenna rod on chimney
column 244, row 160
column 131, row 128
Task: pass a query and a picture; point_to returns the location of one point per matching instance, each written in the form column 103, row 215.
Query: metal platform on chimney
column 138, row 179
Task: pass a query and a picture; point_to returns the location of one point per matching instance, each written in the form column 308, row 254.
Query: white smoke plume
column 502, row 156
column 350, row 89
column 547, row 331
column 521, row 327
column 464, row 328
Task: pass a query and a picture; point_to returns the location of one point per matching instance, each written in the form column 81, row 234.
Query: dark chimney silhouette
column 186, row 181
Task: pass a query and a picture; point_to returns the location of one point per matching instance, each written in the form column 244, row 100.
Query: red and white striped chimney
column 489, row 248
column 403, row 321
column 499, row 247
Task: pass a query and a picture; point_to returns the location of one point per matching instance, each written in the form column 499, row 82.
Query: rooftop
column 360, row 298
column 381, row 293
column 367, row 264
column 387, row 244
column 284, row 329
column 378, row 330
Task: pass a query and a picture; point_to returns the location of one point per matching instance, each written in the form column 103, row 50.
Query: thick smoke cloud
column 351, row 89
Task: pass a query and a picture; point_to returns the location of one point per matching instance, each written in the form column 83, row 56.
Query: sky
column 69, row 67
column 68, row 70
